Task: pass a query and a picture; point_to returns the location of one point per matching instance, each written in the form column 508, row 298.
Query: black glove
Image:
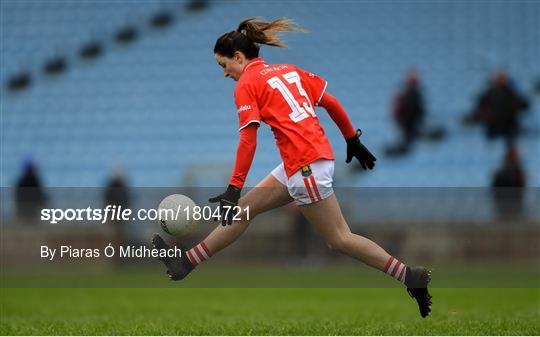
column 356, row 149
column 227, row 201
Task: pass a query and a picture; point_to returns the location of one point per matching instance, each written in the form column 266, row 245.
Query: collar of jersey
column 257, row 60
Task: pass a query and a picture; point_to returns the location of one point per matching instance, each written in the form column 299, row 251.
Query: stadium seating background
column 160, row 105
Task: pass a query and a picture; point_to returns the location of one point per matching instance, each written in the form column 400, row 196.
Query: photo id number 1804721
column 204, row 213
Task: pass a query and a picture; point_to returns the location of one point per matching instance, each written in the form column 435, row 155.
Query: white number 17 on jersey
column 299, row 112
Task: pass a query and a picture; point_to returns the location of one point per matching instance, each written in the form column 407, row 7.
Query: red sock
column 396, row 269
column 198, row 254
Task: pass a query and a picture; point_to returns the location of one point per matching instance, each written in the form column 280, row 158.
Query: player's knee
column 336, row 244
column 247, row 216
column 333, row 247
column 339, row 243
column 246, row 211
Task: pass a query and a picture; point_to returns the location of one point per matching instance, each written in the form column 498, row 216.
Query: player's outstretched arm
column 338, row 115
column 244, row 157
column 354, row 147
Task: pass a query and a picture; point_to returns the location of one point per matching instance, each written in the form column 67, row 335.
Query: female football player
column 284, row 97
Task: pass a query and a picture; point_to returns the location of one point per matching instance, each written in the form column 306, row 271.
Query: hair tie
column 242, row 28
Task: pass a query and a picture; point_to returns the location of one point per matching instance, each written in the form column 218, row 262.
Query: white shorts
column 310, row 184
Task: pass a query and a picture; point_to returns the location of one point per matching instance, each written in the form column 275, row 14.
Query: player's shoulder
column 246, row 84
column 244, row 81
column 306, row 73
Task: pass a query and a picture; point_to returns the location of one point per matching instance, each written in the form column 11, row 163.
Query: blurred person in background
column 284, row 97
column 409, row 110
column 117, row 194
column 499, row 108
column 29, row 195
column 508, row 185
column 409, row 114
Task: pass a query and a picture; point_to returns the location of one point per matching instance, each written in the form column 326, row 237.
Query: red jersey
column 284, row 97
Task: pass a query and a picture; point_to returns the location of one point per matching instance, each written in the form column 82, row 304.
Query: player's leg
column 322, row 210
column 270, row 193
column 329, row 223
column 267, row 195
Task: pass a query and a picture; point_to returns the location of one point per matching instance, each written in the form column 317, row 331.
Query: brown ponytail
column 267, row 33
column 251, row 33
